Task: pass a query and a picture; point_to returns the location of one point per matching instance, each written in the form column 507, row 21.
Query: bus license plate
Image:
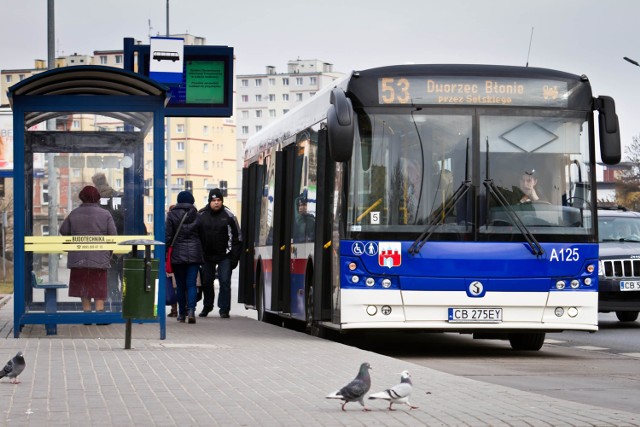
column 476, row 314
column 630, row 285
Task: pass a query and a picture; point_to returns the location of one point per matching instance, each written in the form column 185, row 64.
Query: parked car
column 619, row 265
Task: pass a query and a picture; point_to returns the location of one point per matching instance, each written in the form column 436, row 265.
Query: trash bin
column 137, row 302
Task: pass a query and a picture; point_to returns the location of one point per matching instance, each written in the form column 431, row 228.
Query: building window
column 148, row 200
column 245, row 130
column 311, row 93
column 118, row 59
column 45, row 194
column 244, row 83
column 103, row 60
column 258, row 114
column 149, row 218
column 245, row 114
column 313, row 80
column 149, row 146
column 272, row 82
column 206, row 165
column 44, row 229
column 205, row 148
column 272, row 97
column 272, row 113
column 180, row 165
column 298, row 97
column 285, row 111
column 258, row 128
column 118, row 183
column 258, row 98
column 258, row 82
column 205, row 130
column 75, row 124
column 245, row 98
column 285, row 96
column 180, row 182
column 180, row 146
column 180, row 128
column 285, row 81
column 299, row 81
column 21, row 77
column 9, row 78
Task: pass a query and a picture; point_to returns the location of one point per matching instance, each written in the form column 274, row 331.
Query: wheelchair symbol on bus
column 357, row 248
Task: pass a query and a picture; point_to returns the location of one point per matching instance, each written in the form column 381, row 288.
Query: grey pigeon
column 356, row 389
column 13, row 368
column 398, row 393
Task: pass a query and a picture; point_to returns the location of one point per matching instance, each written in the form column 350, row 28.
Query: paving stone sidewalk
column 241, row 372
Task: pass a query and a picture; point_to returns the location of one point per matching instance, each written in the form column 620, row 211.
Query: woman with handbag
column 184, row 253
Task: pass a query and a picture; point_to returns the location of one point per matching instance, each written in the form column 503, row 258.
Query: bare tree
column 628, row 182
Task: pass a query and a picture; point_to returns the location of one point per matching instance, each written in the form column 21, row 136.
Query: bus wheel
column 311, row 326
column 529, row 341
column 627, row 316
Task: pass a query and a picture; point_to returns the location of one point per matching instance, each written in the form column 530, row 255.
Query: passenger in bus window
column 527, row 190
column 88, row 269
column 305, row 224
column 222, row 243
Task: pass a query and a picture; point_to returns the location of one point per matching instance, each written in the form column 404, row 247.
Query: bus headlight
column 560, row 284
column 559, row 311
column 572, row 312
column 355, row 279
column 591, row 268
column 575, row 283
column 386, row 283
column 371, row 310
column 587, row 281
column 370, row 282
column 352, row 266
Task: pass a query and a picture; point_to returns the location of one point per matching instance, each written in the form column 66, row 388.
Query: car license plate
column 475, row 314
column 630, row 285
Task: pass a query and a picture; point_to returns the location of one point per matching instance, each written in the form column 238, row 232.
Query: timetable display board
column 204, row 86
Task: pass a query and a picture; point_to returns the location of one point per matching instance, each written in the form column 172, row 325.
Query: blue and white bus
column 410, row 178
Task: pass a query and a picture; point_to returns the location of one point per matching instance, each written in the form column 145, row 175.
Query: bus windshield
column 410, row 166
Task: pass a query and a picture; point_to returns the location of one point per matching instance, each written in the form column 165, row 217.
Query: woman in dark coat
column 88, row 269
column 186, row 257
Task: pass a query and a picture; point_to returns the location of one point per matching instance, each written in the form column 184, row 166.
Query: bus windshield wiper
column 494, row 191
column 444, row 210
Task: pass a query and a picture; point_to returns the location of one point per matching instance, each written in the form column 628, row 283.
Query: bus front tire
column 627, row 316
column 527, row 341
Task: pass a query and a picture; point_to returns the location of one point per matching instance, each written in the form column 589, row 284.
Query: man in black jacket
column 222, row 244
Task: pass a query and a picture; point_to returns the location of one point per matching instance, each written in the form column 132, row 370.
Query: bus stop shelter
column 78, row 126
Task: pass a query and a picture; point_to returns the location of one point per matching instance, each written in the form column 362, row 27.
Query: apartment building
column 263, row 98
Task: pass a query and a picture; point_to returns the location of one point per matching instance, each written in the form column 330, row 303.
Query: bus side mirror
column 340, row 126
column 610, row 150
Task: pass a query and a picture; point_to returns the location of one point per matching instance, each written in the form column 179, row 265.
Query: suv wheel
column 627, row 316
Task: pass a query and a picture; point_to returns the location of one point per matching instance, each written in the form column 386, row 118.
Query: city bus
column 410, row 178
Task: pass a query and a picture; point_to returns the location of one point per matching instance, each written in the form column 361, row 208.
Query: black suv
column 619, row 266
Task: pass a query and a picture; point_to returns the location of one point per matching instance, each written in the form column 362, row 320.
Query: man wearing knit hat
column 222, row 244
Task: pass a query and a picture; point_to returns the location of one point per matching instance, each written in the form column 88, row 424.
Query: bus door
column 254, row 177
column 281, row 249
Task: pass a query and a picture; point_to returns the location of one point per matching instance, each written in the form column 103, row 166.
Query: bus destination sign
column 472, row 91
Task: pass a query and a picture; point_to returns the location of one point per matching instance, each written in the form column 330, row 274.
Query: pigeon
column 13, row 368
column 356, row 389
column 398, row 393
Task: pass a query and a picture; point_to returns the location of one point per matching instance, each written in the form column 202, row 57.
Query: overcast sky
column 578, row 36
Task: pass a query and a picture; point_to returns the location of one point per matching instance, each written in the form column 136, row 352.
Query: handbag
column 167, row 263
column 171, row 297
